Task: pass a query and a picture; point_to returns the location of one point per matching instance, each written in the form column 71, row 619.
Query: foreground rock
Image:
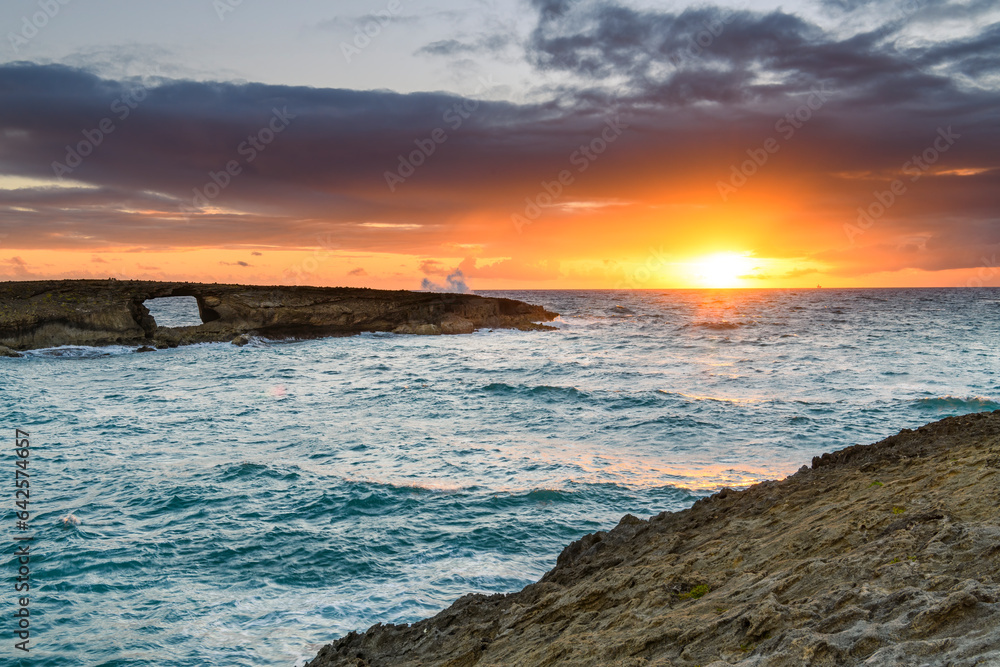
column 49, row 313
column 887, row 554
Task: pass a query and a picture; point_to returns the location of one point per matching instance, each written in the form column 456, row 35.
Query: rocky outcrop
column 886, row 554
column 38, row 314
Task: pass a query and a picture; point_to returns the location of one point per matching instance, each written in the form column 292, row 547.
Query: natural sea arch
column 175, row 311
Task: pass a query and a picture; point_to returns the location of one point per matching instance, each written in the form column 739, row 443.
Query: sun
column 721, row 270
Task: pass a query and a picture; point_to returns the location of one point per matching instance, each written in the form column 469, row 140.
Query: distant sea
column 245, row 506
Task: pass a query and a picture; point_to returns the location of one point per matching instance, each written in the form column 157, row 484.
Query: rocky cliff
column 36, row 314
column 887, row 554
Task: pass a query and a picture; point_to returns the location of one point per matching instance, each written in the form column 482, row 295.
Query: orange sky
column 682, row 236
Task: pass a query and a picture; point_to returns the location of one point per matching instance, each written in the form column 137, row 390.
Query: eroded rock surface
column 886, row 554
column 49, row 313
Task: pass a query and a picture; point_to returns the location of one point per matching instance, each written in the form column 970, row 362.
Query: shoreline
column 876, row 554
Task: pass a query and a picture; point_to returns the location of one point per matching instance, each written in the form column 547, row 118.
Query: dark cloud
column 495, row 43
column 719, row 55
column 170, row 153
column 342, row 23
column 256, row 254
column 357, row 272
column 237, row 263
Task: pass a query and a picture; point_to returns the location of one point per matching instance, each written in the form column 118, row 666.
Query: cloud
column 486, row 43
column 20, row 267
column 98, row 260
column 349, row 23
column 890, row 245
column 237, row 263
column 256, row 254
column 915, row 10
column 719, row 55
column 329, row 164
column 432, row 267
column 357, row 272
column 510, row 269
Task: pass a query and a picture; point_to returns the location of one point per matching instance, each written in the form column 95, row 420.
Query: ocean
column 247, row 505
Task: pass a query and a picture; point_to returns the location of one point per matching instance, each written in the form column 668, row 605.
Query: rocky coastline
column 51, row 313
column 883, row 554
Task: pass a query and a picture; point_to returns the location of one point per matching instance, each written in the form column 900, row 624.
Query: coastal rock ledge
column 50, row 313
column 885, row 554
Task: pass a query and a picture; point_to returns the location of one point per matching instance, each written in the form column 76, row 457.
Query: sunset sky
column 502, row 144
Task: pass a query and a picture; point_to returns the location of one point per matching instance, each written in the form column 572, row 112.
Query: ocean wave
column 678, row 421
column 254, row 471
column 96, row 352
column 712, row 399
column 569, row 490
column 81, row 351
column 720, row 325
column 545, row 496
column 264, row 341
column 957, row 404
column 429, row 486
column 544, row 391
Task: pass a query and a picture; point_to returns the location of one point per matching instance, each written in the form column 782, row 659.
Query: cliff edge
column 49, row 313
column 885, row 554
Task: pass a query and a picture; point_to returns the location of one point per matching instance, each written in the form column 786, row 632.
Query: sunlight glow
column 722, row 270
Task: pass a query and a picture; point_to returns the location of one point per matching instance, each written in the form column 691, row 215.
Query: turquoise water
column 245, row 506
